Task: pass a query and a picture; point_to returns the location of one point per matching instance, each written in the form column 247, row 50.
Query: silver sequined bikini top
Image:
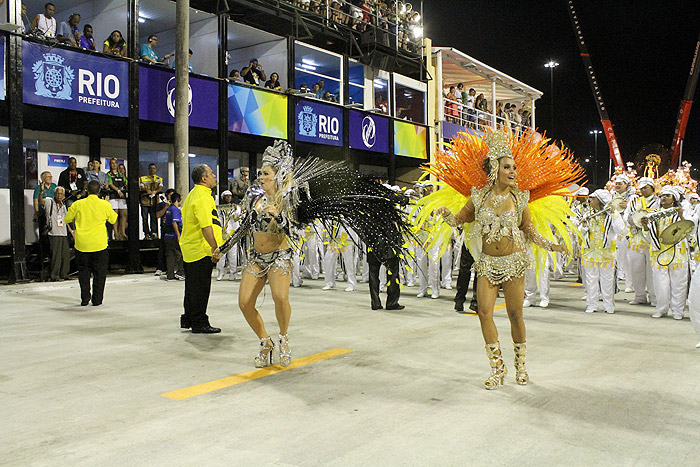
column 493, row 227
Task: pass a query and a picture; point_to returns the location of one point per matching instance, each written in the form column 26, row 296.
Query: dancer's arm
column 234, row 239
column 465, row 215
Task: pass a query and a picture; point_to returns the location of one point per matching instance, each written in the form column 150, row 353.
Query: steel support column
column 95, row 151
column 223, row 104
column 182, row 77
column 17, row 180
column 132, row 142
column 392, row 110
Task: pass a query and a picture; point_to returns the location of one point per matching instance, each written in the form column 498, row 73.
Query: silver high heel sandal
column 521, row 376
column 498, row 368
column 264, row 356
column 285, row 353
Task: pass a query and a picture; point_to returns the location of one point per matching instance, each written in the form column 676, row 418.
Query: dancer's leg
column 279, row 286
column 513, row 291
column 247, row 295
column 486, row 294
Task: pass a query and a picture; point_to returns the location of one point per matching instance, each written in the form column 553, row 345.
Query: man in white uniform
column 638, row 253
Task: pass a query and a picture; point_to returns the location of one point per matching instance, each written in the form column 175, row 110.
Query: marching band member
column 693, row 214
column 624, row 192
column 311, row 251
column 338, row 243
column 599, row 250
column 580, row 208
column 694, row 292
column 669, row 262
column 638, row 254
column 229, row 215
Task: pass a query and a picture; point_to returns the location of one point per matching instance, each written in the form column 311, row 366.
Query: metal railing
column 459, row 113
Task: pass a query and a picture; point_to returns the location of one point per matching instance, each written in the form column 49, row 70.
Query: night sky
column 641, row 53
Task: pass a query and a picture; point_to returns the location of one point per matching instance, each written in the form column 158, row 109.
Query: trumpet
column 605, row 210
column 638, row 216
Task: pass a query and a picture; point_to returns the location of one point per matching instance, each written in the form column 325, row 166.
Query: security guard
column 201, row 236
column 90, row 215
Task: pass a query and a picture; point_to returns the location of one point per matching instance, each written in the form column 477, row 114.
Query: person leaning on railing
column 115, row 44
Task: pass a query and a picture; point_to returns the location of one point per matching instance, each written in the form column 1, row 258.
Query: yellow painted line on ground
column 229, row 381
column 497, row 307
column 575, row 284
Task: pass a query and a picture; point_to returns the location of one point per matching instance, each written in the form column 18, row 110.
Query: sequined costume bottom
column 259, row 264
column 500, row 269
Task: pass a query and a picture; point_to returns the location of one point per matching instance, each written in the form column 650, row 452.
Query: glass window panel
column 410, row 104
column 4, row 162
column 356, row 74
column 316, row 61
column 160, row 159
column 357, row 95
column 381, row 95
column 309, row 79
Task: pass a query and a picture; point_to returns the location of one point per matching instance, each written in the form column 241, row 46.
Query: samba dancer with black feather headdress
column 292, row 193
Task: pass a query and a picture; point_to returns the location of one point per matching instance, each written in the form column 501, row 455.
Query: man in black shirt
column 253, row 73
column 72, row 180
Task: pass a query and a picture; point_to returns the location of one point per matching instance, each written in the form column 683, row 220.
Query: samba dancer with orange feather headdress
column 514, row 188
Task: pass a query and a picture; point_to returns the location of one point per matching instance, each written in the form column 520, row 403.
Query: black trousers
column 162, row 255
column 94, row 263
column 393, row 292
column 149, row 220
column 465, row 272
column 174, row 257
column 197, row 289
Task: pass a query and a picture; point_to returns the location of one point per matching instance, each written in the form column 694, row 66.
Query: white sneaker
column 697, row 346
column 590, row 310
column 435, row 295
column 158, row 272
column 657, row 314
column 637, row 302
column 583, row 298
column 610, row 312
column 232, row 277
column 526, row 303
column 544, row 303
column 410, row 284
column 420, row 295
column 448, row 287
column 350, row 289
column 653, row 304
column 220, row 276
column 327, row 287
column 629, row 290
column 677, row 317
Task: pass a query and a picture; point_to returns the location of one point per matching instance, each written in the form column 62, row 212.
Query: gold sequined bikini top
column 493, row 227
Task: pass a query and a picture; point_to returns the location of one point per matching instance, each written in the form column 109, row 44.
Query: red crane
column 604, row 119
column 684, row 109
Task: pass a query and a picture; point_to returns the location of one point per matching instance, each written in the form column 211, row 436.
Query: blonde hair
column 277, row 199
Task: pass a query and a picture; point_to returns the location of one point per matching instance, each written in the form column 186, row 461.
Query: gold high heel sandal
column 264, row 356
column 498, row 368
column 521, row 376
column 285, row 353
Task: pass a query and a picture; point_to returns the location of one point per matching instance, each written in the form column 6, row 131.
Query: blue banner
column 54, row 77
column 2, row 68
column 157, row 98
column 56, row 160
column 319, row 123
column 369, row 132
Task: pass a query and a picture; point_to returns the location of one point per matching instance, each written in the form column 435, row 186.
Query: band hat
column 583, row 191
column 226, row 192
column 409, row 192
column 603, row 196
column 693, row 196
column 645, row 181
column 244, row 169
column 671, row 190
column 622, row 178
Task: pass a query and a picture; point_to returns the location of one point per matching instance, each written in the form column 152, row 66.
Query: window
column 160, row 159
column 381, row 95
column 31, row 163
column 316, row 66
column 410, row 102
column 356, row 79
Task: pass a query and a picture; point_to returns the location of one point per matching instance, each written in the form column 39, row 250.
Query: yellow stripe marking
column 229, row 381
column 497, row 307
column 576, row 284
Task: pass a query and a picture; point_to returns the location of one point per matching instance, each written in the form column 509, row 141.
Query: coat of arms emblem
column 307, row 122
column 52, row 78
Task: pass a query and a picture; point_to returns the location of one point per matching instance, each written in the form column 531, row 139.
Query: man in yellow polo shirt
column 90, row 215
column 201, row 235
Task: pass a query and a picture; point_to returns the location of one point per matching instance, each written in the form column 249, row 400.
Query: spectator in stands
column 58, row 230
column 459, row 91
column 336, row 13
column 327, row 96
column 115, row 44
column 189, row 67
column 274, row 82
column 148, row 53
column 161, row 210
column 239, row 185
column 304, row 88
column 500, row 114
column 86, row 40
column 171, row 234
column 69, row 32
column 117, row 197
column 72, row 180
column 90, row 215
column 321, row 89
column 26, row 24
column 382, row 104
column 253, row 73
column 314, row 90
column 151, row 185
column 235, row 76
column 469, row 102
column 43, row 190
column 97, row 174
column 45, row 23
column 451, row 106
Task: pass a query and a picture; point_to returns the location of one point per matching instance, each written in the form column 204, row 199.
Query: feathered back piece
column 337, row 193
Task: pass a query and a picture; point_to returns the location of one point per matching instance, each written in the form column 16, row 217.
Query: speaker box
column 380, row 60
column 375, row 36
